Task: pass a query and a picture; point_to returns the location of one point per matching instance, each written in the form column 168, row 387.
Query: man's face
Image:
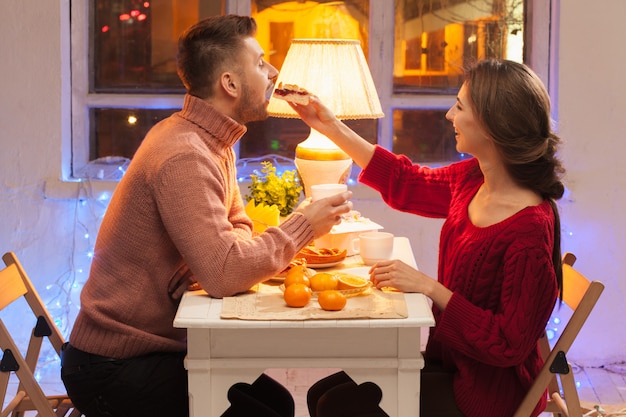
column 257, row 82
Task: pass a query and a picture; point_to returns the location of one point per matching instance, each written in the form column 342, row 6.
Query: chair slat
column 36, row 303
column 14, row 283
column 581, row 295
column 11, row 286
column 576, row 286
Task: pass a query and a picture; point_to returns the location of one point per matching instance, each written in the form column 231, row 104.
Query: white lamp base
column 322, row 172
column 320, row 161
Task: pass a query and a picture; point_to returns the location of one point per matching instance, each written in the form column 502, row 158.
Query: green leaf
column 281, row 190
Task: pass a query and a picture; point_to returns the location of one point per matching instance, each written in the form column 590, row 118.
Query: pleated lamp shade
column 336, row 71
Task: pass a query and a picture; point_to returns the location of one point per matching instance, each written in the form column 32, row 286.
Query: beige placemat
column 265, row 302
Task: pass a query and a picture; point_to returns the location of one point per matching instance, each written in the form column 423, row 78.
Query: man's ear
column 230, row 84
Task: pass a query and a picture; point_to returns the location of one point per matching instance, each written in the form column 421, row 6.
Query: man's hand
column 323, row 214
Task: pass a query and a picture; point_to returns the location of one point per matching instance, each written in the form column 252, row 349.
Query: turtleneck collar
column 218, row 125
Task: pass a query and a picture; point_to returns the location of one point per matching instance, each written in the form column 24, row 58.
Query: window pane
column 278, row 23
column 281, row 136
column 424, row 136
column 281, row 21
column 436, row 39
column 134, row 43
column 119, row 132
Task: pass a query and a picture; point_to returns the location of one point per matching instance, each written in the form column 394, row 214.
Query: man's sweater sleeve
column 191, row 193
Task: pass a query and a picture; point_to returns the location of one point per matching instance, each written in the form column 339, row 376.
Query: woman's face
column 470, row 135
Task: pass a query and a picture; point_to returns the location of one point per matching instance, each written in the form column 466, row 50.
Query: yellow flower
column 271, row 189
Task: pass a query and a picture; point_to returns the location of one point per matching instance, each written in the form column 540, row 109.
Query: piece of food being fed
column 293, row 93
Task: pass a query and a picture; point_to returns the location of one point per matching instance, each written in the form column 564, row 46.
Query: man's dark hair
column 208, row 47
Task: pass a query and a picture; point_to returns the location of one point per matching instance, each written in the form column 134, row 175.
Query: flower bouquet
column 272, row 195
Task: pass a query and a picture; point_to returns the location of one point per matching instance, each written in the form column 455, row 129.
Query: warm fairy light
column 132, row 119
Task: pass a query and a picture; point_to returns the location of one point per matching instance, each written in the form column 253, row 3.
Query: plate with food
column 321, row 257
column 326, row 265
column 354, row 280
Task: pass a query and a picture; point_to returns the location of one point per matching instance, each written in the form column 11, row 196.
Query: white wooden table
column 223, row 352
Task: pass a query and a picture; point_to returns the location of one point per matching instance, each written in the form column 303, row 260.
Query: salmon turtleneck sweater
column 177, row 206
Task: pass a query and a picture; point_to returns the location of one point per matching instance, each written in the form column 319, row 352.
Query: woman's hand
column 398, row 275
column 315, row 114
column 321, row 118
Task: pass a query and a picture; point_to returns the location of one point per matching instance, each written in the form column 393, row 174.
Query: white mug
column 320, row 191
column 374, row 246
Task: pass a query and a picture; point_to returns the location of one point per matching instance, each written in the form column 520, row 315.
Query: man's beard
column 246, row 111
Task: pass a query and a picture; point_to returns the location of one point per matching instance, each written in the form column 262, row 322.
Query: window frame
column 540, row 54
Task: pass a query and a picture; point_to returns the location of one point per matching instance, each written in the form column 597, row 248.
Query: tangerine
column 323, row 281
column 331, row 300
column 350, row 282
column 297, row 275
column 297, row 295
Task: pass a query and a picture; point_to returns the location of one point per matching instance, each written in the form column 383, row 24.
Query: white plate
column 325, row 265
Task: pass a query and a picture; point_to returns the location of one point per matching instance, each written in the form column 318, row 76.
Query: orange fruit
column 297, row 275
column 350, row 282
column 331, row 300
column 323, row 281
column 297, row 295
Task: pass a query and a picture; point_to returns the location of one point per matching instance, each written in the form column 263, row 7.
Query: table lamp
column 336, row 71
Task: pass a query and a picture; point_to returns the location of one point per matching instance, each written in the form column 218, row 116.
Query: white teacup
column 374, row 246
column 320, row 191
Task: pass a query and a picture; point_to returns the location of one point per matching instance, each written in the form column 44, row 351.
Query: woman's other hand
column 398, row 275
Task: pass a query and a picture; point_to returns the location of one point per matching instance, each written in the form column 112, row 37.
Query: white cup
column 320, row 191
column 374, row 246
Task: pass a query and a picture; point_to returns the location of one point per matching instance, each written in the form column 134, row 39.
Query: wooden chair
column 556, row 375
column 29, row 396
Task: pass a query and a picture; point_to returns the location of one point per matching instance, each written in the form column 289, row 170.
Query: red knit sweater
column 502, row 277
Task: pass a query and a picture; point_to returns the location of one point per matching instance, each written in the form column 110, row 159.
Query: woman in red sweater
column 499, row 257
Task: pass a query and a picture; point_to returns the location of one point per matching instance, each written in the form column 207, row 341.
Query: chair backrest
column 14, row 283
column 581, row 296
